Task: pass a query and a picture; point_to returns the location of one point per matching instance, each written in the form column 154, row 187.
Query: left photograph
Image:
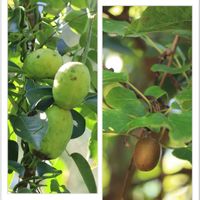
column 52, row 96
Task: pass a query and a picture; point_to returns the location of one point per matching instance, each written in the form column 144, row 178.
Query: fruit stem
column 141, row 95
column 162, row 133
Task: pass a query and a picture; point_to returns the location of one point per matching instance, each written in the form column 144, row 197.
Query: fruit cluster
column 70, row 86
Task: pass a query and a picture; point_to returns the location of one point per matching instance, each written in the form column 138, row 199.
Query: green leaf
column 115, row 121
column 125, row 100
column 65, row 190
column 84, row 36
column 43, row 168
column 183, row 153
column 54, row 186
column 79, row 124
column 13, row 150
column 30, row 128
column 115, row 27
column 51, row 6
column 181, row 126
column 17, row 167
column 91, row 102
column 111, row 77
column 173, row 19
column 13, row 68
column 93, row 144
column 153, row 121
column 93, row 55
column 184, row 98
column 24, row 190
column 170, row 70
column 81, row 4
column 16, row 22
column 62, row 47
column 155, row 91
column 40, row 97
column 45, row 33
column 77, row 20
column 85, row 171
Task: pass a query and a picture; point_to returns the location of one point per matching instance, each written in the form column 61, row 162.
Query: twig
column 141, row 95
column 89, row 37
column 173, row 50
column 127, row 180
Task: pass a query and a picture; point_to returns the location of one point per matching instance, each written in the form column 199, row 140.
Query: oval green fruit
column 71, row 85
column 42, row 63
column 147, row 154
column 60, row 126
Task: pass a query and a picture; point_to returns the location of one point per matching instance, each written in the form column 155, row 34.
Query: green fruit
column 71, row 85
column 147, row 154
column 60, row 126
column 42, row 63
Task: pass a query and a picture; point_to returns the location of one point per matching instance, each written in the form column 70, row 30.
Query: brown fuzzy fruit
column 147, row 154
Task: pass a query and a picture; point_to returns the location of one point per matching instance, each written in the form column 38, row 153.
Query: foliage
column 70, row 28
column 153, row 97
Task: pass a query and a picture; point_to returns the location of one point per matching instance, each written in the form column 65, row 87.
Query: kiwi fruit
column 147, row 154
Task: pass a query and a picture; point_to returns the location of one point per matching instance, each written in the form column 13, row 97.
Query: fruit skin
column 60, row 126
column 71, row 85
column 42, row 63
column 147, row 154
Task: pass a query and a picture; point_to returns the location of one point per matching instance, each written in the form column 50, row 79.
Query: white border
column 3, row 93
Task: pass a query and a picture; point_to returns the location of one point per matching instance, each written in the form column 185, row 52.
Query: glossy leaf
column 38, row 96
column 30, row 128
column 91, row 102
column 79, row 124
column 13, row 68
column 17, row 167
column 54, row 186
column 93, row 144
column 43, row 168
column 85, row 171
column 13, row 150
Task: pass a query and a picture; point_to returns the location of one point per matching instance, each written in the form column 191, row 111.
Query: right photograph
column 147, row 102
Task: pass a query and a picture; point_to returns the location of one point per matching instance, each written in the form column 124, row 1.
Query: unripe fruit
column 71, row 85
column 60, row 126
column 42, row 63
column 147, row 154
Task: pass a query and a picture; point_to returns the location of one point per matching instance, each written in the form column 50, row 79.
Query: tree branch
column 173, row 50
